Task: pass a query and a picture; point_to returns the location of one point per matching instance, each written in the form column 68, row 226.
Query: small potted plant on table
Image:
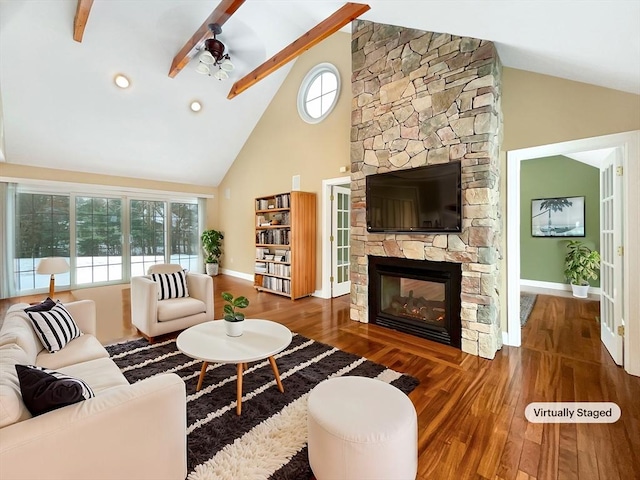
column 580, row 265
column 233, row 319
column 212, row 246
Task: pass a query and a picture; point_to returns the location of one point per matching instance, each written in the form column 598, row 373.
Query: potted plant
column 580, row 265
column 212, row 246
column 233, row 319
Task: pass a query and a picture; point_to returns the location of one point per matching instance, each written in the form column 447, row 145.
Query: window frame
column 14, row 260
column 74, row 250
column 81, row 190
column 305, row 86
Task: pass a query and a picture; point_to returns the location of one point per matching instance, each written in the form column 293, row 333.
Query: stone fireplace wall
column 422, row 98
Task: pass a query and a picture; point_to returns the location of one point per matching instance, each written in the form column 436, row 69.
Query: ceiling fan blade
column 348, row 12
column 80, row 20
column 220, row 15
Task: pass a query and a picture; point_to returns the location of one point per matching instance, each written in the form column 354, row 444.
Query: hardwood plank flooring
column 471, row 410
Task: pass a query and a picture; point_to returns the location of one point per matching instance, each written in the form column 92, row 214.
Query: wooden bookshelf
column 285, row 231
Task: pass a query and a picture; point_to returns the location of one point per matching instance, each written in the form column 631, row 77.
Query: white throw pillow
column 171, row 285
column 55, row 328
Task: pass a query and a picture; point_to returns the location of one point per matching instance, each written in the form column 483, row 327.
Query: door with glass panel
column 340, row 247
column 611, row 255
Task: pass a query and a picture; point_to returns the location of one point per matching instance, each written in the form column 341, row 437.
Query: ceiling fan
column 205, row 39
column 226, row 8
column 214, row 59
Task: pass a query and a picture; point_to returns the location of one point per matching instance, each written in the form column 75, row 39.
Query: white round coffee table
column 260, row 339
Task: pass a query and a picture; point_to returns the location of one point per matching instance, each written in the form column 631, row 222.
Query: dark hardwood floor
column 471, row 410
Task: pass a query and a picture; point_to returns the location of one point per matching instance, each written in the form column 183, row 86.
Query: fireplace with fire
column 420, row 297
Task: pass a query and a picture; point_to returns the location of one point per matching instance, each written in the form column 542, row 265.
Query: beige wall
column 283, row 145
column 542, row 110
column 10, row 170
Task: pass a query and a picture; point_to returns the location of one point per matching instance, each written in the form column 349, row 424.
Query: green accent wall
column 542, row 258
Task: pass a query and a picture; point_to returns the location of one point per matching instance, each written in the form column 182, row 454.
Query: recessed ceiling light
column 195, row 106
column 121, row 81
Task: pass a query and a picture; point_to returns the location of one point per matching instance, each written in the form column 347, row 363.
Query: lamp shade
column 221, row 75
column 52, row 265
column 203, row 69
column 227, row 65
column 207, row 58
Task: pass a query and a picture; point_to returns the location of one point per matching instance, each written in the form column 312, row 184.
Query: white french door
column 611, row 272
column 340, row 246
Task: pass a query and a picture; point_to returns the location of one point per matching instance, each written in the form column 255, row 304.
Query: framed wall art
column 557, row 217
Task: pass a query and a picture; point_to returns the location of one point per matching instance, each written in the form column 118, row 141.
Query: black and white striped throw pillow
column 44, row 390
column 55, row 328
column 171, row 285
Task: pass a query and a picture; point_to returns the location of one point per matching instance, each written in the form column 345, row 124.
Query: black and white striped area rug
column 268, row 441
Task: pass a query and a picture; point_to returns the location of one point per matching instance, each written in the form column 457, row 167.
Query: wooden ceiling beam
column 348, row 13
column 80, row 20
column 220, row 15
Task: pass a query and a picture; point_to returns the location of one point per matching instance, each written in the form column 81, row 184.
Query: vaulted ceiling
column 62, row 110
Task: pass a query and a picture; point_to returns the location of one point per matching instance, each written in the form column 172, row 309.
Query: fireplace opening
column 416, row 296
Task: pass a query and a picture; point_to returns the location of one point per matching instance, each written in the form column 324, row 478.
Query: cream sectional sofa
column 126, row 432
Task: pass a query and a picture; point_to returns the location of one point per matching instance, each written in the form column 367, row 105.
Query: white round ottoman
column 361, row 429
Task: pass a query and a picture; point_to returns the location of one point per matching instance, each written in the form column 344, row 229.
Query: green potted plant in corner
column 580, row 265
column 233, row 319
column 212, row 246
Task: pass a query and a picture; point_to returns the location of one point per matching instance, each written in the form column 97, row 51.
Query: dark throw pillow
column 43, row 306
column 44, row 390
column 55, row 328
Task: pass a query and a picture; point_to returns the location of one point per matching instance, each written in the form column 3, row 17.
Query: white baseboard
column 537, row 286
column 320, row 294
column 233, row 273
column 505, row 339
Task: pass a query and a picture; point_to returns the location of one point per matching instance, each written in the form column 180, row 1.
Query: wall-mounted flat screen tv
column 419, row 200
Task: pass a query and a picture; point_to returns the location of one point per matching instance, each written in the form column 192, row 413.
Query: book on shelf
column 273, row 237
column 281, row 255
column 279, row 269
column 278, row 201
column 277, row 284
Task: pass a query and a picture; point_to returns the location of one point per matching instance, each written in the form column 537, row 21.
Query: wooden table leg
column 272, row 361
column 239, row 393
column 202, row 372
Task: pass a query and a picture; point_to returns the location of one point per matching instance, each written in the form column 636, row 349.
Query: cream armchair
column 153, row 317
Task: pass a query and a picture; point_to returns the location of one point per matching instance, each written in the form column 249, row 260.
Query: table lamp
column 51, row 266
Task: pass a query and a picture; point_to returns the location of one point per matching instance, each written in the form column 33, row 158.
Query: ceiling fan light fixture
column 207, row 58
column 212, row 55
column 215, row 48
column 227, row 66
column 221, row 75
column 203, row 69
